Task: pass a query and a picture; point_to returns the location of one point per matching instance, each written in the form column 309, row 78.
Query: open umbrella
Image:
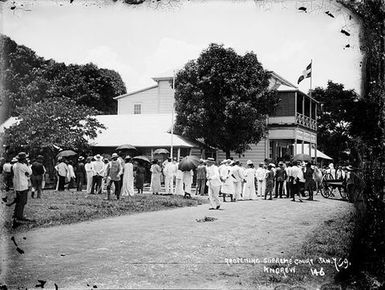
column 302, row 157
column 188, row 163
column 66, row 153
column 125, row 147
column 161, row 151
column 142, row 158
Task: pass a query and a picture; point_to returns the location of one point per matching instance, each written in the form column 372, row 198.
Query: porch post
column 303, row 141
column 178, row 156
column 295, row 142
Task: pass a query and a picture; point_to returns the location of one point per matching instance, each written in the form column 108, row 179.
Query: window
column 137, row 108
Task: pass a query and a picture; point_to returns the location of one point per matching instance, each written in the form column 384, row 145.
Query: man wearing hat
column 260, row 174
column 98, row 168
column 280, row 177
column 80, row 172
column 38, row 172
column 214, row 183
column 62, row 171
column 21, row 172
column 249, row 186
column 237, row 174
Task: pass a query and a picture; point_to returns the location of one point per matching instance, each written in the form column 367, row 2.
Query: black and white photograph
column 192, row 144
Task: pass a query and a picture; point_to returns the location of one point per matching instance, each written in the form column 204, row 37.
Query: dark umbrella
column 125, row 147
column 302, row 157
column 66, row 153
column 161, row 151
column 188, row 163
column 142, row 158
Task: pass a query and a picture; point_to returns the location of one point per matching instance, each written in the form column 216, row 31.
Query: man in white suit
column 214, row 183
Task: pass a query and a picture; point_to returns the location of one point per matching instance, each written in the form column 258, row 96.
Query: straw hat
column 249, row 162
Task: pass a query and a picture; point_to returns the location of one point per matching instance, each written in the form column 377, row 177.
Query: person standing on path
column 156, row 171
column 227, row 179
column 187, row 182
column 7, row 174
column 261, row 179
column 21, row 174
column 236, row 172
column 139, row 178
column 280, row 177
column 295, row 173
column 71, row 175
column 62, row 171
column 128, row 178
column 201, row 178
column 38, row 172
column 98, row 171
column 89, row 173
column 179, row 181
column 309, row 181
column 113, row 172
column 269, row 181
column 169, row 172
column 80, row 173
column 249, row 186
column 289, row 180
column 214, row 183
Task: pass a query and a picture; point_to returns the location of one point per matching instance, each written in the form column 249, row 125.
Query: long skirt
column 155, row 183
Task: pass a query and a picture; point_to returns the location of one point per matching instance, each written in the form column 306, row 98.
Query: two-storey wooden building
column 293, row 123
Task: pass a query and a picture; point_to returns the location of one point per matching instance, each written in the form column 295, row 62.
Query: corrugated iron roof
column 142, row 130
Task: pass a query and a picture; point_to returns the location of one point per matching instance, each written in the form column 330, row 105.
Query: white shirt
column 21, row 172
column 169, row 169
column 98, row 167
column 260, row 173
column 62, row 169
column 213, row 175
column 71, row 173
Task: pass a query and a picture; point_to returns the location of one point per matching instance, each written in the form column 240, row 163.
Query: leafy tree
column 335, row 119
column 28, row 79
column 223, row 98
column 55, row 122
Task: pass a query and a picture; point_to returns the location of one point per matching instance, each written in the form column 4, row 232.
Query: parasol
column 142, row 158
column 66, row 153
column 161, row 151
column 188, row 163
column 302, row 157
column 125, row 147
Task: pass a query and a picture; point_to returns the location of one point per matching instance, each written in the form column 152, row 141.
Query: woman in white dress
column 128, row 178
column 227, row 179
column 156, row 172
column 249, row 185
column 90, row 173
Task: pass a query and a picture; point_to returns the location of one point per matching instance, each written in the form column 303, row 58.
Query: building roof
column 142, row 130
column 306, row 151
column 135, row 92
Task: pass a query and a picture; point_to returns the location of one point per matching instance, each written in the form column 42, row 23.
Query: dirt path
column 167, row 248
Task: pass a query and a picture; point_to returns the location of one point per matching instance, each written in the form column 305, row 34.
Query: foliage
column 29, row 78
column 223, row 98
column 335, row 119
column 53, row 122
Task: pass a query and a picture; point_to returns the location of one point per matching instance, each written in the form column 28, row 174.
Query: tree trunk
column 227, row 154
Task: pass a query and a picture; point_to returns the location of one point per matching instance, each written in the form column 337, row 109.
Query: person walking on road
column 261, row 180
column 214, row 183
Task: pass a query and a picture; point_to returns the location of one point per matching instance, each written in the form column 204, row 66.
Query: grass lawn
column 332, row 239
column 56, row 208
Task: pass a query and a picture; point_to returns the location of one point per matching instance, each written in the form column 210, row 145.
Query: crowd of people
column 119, row 175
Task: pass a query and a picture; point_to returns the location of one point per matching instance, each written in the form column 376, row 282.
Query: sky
column 152, row 39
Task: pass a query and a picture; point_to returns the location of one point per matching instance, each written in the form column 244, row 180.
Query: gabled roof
column 142, row 130
column 135, row 92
